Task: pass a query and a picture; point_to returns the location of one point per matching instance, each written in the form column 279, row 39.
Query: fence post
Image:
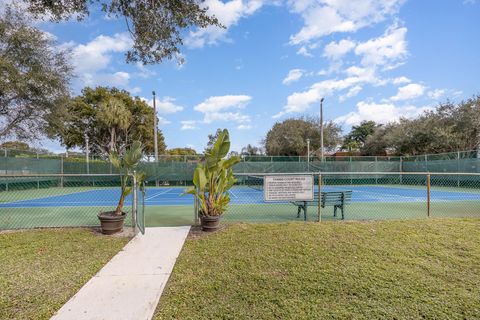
column 319, row 197
column 401, row 169
column 61, row 171
column 134, row 204
column 38, row 171
column 458, row 168
column 428, row 195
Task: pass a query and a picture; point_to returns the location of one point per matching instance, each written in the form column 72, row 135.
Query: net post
column 319, row 197
column 428, row 195
column 134, row 204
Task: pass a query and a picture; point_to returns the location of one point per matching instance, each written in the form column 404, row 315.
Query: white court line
column 233, row 194
column 157, row 194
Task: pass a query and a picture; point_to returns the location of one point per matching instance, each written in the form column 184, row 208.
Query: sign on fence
column 288, row 188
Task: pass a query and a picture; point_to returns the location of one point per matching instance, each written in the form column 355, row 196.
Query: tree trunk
column 121, row 202
column 112, row 139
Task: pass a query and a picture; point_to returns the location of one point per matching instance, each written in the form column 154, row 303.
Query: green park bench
column 335, row 199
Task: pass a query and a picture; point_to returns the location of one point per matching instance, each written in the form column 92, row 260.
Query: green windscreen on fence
column 178, row 170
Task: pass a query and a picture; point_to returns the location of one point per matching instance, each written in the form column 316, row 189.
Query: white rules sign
column 288, row 188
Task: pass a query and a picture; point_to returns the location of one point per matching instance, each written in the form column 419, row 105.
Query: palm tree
column 117, row 117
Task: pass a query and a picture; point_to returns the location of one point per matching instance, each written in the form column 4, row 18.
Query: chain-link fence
column 361, row 196
column 49, row 200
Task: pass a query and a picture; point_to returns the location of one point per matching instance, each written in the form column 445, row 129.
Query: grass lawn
column 342, row 270
column 41, row 269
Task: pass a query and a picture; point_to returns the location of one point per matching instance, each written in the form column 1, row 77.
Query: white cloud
column 166, row 105
column 228, row 13
column 303, row 51
column 336, row 50
column 401, row 80
column 388, row 50
column 226, row 116
column 324, row 17
column 244, row 127
column 162, row 121
column 116, row 79
column 410, row 91
column 219, row 103
column 144, row 72
column 352, row 92
column 293, row 75
column 380, row 113
column 299, row 102
column 92, row 61
column 222, row 108
column 96, row 54
column 188, row 125
column 436, row 94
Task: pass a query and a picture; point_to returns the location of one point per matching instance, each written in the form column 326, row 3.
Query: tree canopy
column 18, row 145
column 181, row 152
column 110, row 118
column 155, row 26
column 448, row 128
column 34, row 81
column 289, row 137
column 250, row 150
column 355, row 140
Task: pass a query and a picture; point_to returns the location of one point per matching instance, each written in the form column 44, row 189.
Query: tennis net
column 254, row 182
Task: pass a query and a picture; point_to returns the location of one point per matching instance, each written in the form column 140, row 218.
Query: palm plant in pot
column 112, row 221
column 212, row 179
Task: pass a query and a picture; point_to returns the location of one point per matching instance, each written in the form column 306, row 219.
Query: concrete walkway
column 130, row 285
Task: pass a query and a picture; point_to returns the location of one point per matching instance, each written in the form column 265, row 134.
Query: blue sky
column 370, row 59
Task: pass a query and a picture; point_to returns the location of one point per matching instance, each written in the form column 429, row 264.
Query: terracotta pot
column 110, row 222
column 210, row 223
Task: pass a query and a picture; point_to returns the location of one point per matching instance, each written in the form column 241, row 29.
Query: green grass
column 355, row 270
column 41, row 269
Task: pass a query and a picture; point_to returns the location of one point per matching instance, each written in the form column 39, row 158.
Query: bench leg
column 343, row 215
column 299, row 210
column 334, row 211
column 305, row 212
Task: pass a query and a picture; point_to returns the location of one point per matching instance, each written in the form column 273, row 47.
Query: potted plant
column 112, row 221
column 212, row 179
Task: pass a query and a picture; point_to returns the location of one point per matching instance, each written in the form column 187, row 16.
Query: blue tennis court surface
column 165, row 196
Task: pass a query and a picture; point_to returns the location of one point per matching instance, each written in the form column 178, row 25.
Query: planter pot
column 110, row 222
column 210, row 224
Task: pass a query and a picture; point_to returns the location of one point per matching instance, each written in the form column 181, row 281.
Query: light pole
column 308, row 155
column 87, row 152
column 155, row 142
column 321, row 129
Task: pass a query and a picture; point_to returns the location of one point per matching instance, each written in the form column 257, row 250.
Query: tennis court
column 166, row 206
